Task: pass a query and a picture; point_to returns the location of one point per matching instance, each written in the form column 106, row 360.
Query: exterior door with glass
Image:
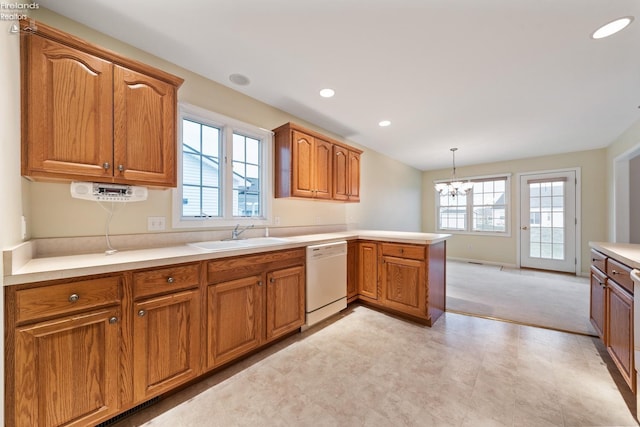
column 548, row 221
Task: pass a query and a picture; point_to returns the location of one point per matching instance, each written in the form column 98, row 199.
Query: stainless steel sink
column 221, row 245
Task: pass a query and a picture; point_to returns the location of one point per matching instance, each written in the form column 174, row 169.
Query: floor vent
column 131, row 411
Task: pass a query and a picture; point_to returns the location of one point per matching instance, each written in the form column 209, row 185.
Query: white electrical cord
column 110, row 249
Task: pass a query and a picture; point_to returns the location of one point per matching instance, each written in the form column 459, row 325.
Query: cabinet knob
column 170, row 279
column 260, row 283
column 272, row 280
column 74, row 297
column 141, row 313
column 106, row 165
column 121, row 168
column 614, row 272
column 113, row 320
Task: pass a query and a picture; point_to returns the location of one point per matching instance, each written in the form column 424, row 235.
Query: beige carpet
column 550, row 300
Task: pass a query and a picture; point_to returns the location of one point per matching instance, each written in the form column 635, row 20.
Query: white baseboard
column 481, row 261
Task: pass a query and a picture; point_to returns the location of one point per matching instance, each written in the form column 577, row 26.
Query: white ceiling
column 499, row 79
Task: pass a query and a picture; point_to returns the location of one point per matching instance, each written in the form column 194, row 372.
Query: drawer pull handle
column 74, row 297
column 141, row 313
column 170, row 279
column 113, row 320
column 614, row 272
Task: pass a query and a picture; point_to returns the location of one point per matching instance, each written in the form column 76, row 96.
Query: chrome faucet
column 236, row 233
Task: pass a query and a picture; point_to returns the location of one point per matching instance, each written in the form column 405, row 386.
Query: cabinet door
column 354, row 176
column 352, row 270
column 285, row 301
column 368, row 270
column 403, row 285
column 303, row 184
column 67, row 370
column 67, row 112
column 323, row 169
column 234, row 318
column 619, row 333
column 341, row 185
column 166, row 342
column 597, row 307
column 144, row 129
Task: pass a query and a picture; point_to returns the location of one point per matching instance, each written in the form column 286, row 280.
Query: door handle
column 524, row 227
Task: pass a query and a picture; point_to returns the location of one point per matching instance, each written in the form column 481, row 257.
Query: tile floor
column 367, row 368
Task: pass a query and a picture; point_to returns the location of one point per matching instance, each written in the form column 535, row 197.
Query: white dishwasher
column 326, row 292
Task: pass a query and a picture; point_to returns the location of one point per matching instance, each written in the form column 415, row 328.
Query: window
column 484, row 209
column 223, row 171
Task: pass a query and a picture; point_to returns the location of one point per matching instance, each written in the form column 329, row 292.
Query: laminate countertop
column 20, row 267
column 626, row 253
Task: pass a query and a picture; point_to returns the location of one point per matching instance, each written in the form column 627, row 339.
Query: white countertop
column 20, row 269
column 626, row 253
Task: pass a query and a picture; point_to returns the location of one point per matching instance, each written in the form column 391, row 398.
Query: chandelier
column 453, row 187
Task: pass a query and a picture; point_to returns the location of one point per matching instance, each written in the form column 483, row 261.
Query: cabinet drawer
column 403, row 251
column 158, row 281
column 620, row 273
column 66, row 298
column 598, row 260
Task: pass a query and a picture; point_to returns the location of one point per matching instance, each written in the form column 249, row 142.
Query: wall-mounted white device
column 102, row 192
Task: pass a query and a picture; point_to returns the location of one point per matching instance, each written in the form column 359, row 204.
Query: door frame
column 578, row 213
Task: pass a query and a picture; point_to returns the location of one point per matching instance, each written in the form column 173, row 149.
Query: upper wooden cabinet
column 91, row 114
column 311, row 165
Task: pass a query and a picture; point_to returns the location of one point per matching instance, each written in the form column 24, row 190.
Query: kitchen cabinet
column 166, row 329
column 598, row 301
column 91, row 114
column 406, row 279
column 352, row 271
column 368, row 270
column 63, row 353
column 306, row 165
column 403, row 278
column 346, row 182
column 611, row 311
column 252, row 300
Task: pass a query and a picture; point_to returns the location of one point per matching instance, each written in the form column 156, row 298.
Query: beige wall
column 53, row 213
column 503, row 250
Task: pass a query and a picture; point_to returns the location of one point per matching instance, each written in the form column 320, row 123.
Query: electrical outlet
column 277, row 220
column 155, row 223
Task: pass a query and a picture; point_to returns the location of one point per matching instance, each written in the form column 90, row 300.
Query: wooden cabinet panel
column 620, row 273
column 235, row 310
column 619, row 331
column 310, row 165
column 598, row 260
column 66, row 298
column 597, row 307
column 346, row 174
column 403, row 285
column 66, row 111
column 164, row 280
column 91, row 114
column 368, row 270
column 166, row 342
column 352, row 270
column 144, row 129
column 67, row 370
column 285, row 301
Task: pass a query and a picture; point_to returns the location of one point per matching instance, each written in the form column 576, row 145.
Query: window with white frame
column 484, row 209
column 223, row 171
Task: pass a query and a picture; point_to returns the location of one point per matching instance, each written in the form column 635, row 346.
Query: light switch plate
column 155, row 223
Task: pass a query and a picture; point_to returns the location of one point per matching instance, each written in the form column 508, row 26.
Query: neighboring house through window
column 223, row 171
column 483, row 210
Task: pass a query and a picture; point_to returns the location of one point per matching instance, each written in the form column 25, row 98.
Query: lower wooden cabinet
column 285, row 301
column 368, row 270
column 619, row 331
column 402, row 282
column 234, row 318
column 598, row 301
column 166, row 342
column 352, row 271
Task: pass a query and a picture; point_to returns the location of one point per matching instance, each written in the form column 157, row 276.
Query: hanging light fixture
column 453, row 187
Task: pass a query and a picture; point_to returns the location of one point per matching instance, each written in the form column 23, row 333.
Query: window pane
column 211, row 141
column 190, row 201
column 253, row 151
column 246, row 176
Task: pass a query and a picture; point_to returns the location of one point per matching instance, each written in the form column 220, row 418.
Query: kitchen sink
column 221, row 245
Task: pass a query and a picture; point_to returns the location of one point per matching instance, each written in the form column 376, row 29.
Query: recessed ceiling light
column 384, row 123
column 239, row 79
column 327, row 93
column 612, row 27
